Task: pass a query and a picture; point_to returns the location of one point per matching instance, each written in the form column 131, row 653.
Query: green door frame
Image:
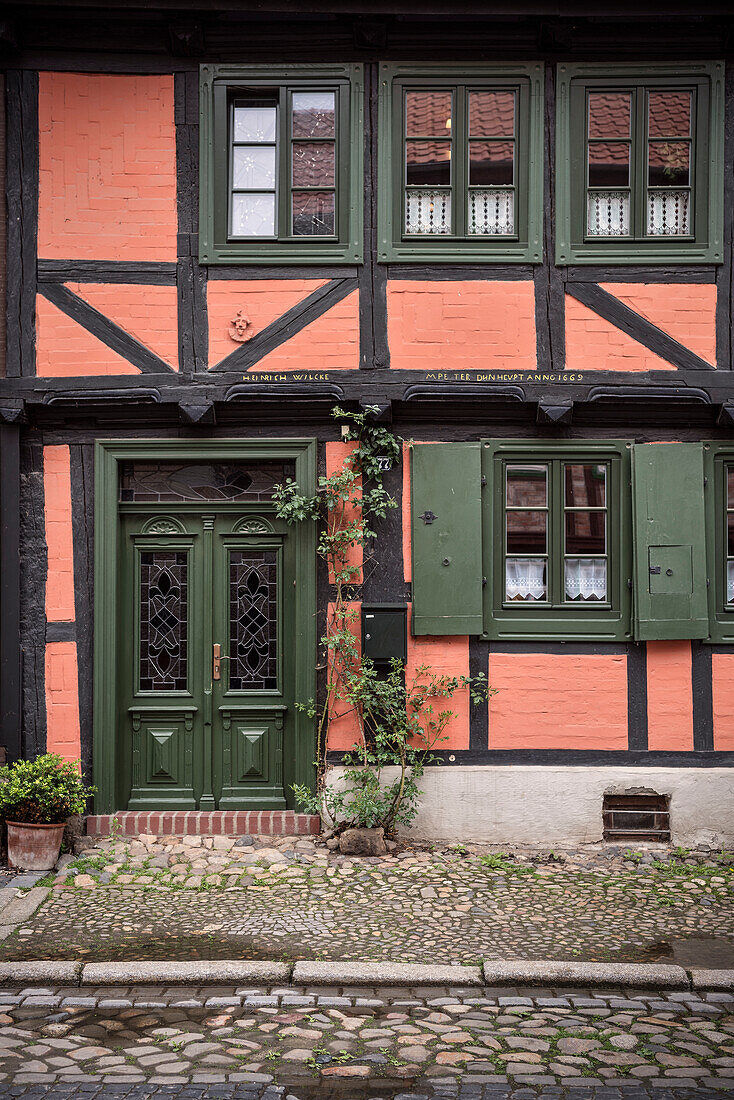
column 108, row 453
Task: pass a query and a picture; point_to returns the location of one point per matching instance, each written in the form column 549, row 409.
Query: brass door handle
column 217, row 658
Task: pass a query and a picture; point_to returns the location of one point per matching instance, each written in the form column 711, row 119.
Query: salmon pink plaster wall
column 62, row 700
column 685, row 311
column 62, row 690
column 723, row 690
column 262, row 301
column 461, row 325
column 343, row 726
column 149, row 313
column 59, row 539
column 330, row 343
column 445, row 656
column 558, row 701
column 65, row 350
column 107, row 167
column 594, row 344
column 336, row 453
column 669, row 695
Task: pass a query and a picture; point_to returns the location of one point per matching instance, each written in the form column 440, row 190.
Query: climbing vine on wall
column 397, row 718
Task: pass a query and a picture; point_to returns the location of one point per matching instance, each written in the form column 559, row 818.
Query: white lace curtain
column 525, row 579
column 586, row 578
column 730, row 582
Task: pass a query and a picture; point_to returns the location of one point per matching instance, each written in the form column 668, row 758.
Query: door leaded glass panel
column 253, row 608
column 163, row 620
column 173, row 482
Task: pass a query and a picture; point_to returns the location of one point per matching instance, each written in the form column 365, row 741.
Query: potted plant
column 36, row 797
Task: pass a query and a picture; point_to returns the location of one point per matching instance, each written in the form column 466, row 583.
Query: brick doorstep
column 201, row 823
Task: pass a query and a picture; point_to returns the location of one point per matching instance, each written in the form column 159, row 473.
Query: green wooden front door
column 208, row 651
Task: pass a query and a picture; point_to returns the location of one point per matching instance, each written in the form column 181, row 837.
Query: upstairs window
column 281, row 164
column 460, row 169
column 639, row 164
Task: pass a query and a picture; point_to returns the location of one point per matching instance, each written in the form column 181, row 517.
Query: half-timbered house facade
column 506, row 231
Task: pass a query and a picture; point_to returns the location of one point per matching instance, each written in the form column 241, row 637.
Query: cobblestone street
column 292, row 898
column 363, row 1042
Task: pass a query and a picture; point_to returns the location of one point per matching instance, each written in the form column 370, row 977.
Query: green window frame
column 630, row 185
column 574, row 534
column 263, row 212
column 452, row 194
column 719, row 502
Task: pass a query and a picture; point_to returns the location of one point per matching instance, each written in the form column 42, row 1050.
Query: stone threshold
column 492, row 973
column 203, row 823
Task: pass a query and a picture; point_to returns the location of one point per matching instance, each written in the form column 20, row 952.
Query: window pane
column 313, row 213
column 609, row 164
column 668, row 163
column 669, row 114
column 585, row 579
column 730, row 486
column 668, row 213
column 525, row 579
column 491, row 162
column 427, row 212
column 608, row 214
column 526, row 532
column 253, row 215
column 428, row 114
column 609, row 114
column 585, row 486
column 730, row 534
column 526, row 486
column 253, row 166
column 730, row 582
column 313, row 164
column 313, row 114
column 428, row 162
column 586, row 532
column 254, row 123
column 491, row 114
column 492, row 212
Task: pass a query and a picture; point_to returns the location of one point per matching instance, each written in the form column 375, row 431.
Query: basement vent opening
column 636, row 817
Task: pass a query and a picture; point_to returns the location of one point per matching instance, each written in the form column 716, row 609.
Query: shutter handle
column 446, row 561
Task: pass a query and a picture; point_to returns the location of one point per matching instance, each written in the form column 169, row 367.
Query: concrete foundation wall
column 560, row 807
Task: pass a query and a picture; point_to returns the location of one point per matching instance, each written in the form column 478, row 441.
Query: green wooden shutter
column 670, row 541
column 446, row 525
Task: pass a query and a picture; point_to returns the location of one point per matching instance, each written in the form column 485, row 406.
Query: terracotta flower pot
column 34, row 847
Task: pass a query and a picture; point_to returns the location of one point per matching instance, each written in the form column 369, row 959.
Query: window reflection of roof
column 427, row 115
column 672, row 110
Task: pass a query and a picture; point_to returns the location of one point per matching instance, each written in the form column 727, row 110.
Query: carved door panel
column 206, row 658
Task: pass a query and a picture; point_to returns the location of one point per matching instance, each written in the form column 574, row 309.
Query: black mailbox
column 384, row 632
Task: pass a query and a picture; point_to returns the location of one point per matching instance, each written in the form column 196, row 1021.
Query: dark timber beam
column 10, row 702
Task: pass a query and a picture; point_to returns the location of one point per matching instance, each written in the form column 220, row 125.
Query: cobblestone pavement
column 292, row 898
column 358, row 1043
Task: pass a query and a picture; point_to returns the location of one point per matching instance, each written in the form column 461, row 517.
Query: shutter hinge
column 484, row 582
column 655, row 569
column 483, row 481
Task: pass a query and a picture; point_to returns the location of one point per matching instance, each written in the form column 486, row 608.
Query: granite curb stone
column 702, row 978
column 553, row 972
column 164, row 973
column 45, row 971
column 339, row 972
